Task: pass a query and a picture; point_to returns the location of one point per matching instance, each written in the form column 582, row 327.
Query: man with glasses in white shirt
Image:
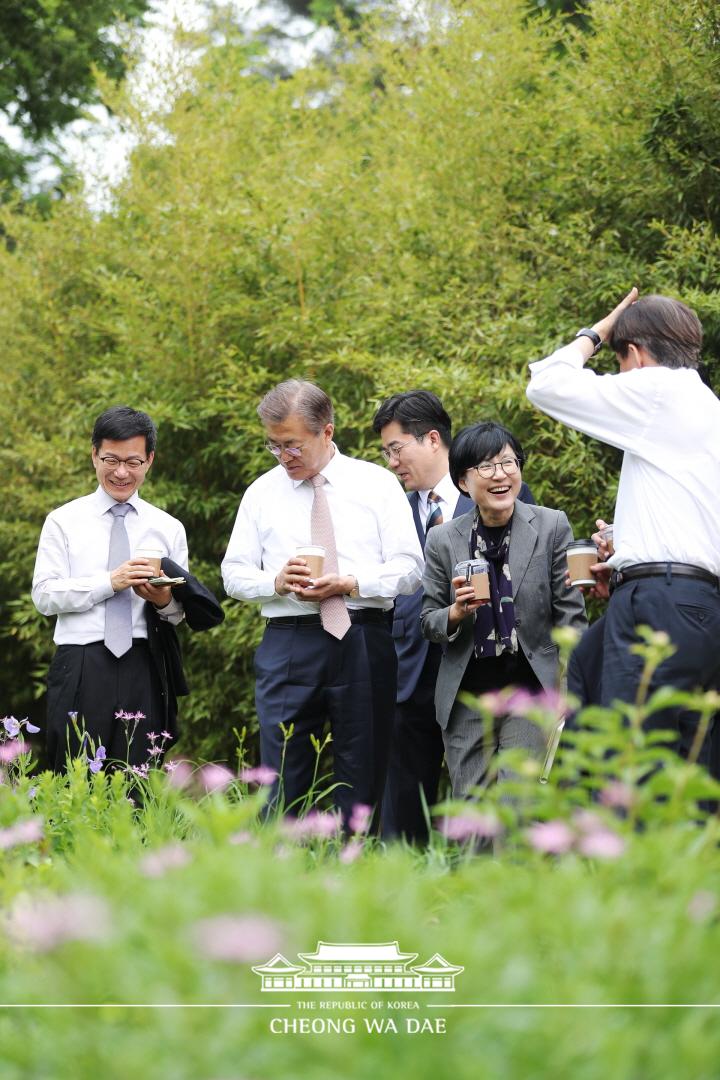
column 416, row 433
column 327, row 652
column 102, row 681
column 665, row 567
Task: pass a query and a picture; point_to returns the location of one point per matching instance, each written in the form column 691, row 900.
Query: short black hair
column 120, row 422
column 417, row 412
column 669, row 330
column 480, row 442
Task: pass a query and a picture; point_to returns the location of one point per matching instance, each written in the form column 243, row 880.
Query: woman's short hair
column 480, row 442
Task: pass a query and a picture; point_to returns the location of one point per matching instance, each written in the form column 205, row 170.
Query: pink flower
column 702, row 906
column 470, row 825
column 240, row 939
column 314, row 824
column 587, row 821
column 601, row 844
column 351, row 851
column 360, row 818
column 44, row 923
column 261, row 774
column 28, row 831
column 494, row 702
column 180, row 773
column 156, row 863
column 215, row 777
column 13, row 749
column 242, row 837
column 551, row 837
column 619, row 795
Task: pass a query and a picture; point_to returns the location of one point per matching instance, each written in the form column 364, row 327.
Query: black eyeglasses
column 487, row 468
column 112, row 462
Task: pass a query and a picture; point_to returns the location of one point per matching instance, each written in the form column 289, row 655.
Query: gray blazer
column 538, row 539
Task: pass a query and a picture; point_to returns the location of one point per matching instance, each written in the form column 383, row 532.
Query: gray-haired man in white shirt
column 327, row 651
column 664, row 572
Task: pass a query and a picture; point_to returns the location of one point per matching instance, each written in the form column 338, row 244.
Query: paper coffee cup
column 314, row 556
column 475, row 572
column 153, row 556
column 581, row 555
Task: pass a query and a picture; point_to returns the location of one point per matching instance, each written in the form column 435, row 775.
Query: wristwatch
column 354, row 594
column 594, row 337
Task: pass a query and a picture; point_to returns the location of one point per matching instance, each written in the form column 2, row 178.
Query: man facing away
column 86, row 574
column 327, row 651
column 664, row 572
column 416, row 432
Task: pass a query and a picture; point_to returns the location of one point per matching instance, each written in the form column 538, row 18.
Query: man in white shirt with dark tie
column 664, row 572
column 327, row 651
column 87, row 576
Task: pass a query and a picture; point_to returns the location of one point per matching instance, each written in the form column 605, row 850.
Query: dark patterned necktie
column 435, row 514
column 118, row 609
column 333, row 611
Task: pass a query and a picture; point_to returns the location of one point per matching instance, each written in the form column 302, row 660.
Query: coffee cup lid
column 581, row 544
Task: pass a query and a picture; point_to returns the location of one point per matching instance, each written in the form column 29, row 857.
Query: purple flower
column 32, row 792
column 261, row 774
column 601, row 844
column 141, row 770
column 165, row 735
column 360, row 818
column 551, row 837
column 215, row 777
column 43, row 923
column 12, row 726
column 240, row 939
column 96, row 764
column 28, row 831
column 470, row 825
column 156, row 863
column 31, row 729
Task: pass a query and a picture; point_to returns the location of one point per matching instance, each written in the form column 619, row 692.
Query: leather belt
column 667, row 570
column 358, row 615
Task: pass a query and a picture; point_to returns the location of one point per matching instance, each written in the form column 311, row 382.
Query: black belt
column 359, row 615
column 667, row 570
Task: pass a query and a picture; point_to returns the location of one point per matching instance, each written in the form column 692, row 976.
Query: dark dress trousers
column 416, row 752
column 89, row 681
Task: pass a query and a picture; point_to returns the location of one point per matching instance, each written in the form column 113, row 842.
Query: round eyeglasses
column 487, row 469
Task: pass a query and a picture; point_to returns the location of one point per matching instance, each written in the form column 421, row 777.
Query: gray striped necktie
column 118, row 609
column 333, row 611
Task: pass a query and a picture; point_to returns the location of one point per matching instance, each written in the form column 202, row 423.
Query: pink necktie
column 333, row 612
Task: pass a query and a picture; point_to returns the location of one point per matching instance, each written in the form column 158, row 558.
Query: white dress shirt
column 668, row 423
column 72, row 579
column 449, row 496
column 375, row 536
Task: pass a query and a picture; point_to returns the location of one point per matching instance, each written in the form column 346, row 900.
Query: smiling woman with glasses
column 506, row 641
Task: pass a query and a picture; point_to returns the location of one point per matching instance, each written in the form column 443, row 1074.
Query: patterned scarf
column 494, row 630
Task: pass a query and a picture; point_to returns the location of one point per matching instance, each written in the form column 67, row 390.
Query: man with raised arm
column 664, row 572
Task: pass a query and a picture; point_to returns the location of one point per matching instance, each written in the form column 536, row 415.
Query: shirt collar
column 445, row 489
column 103, row 501
column 332, row 471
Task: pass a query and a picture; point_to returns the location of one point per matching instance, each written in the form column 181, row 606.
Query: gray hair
column 297, row 396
